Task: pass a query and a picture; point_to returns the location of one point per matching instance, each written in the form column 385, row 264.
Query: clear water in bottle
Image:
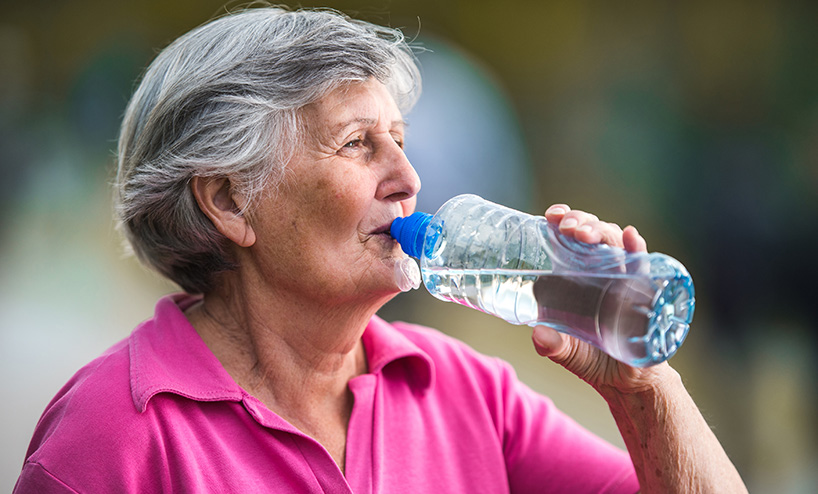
column 636, row 307
column 610, row 312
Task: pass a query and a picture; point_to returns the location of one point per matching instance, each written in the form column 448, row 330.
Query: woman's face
column 324, row 232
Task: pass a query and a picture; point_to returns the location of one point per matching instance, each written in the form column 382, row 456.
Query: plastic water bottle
column 636, row 307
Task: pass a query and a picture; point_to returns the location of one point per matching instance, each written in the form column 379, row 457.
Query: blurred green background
column 695, row 121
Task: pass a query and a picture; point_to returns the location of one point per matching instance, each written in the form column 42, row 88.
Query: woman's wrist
column 643, row 384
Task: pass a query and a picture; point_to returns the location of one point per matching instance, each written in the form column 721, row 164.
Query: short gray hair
column 224, row 101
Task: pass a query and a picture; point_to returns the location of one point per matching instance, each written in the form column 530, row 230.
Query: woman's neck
column 280, row 347
column 296, row 360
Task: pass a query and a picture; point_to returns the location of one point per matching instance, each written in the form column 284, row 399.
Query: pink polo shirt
column 158, row 413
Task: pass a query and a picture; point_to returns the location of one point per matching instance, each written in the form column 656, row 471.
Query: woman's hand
column 586, row 361
column 672, row 447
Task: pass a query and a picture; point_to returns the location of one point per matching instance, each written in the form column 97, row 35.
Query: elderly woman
column 260, row 165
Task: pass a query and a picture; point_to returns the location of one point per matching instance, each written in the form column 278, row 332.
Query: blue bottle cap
column 410, row 232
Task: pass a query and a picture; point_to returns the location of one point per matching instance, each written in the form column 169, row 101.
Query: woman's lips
column 383, row 229
column 383, row 235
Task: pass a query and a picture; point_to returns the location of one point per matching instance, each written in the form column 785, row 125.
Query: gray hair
column 224, row 100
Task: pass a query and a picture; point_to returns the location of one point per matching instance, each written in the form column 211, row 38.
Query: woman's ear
column 218, row 202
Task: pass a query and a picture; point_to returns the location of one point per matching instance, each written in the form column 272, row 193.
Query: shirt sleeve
column 35, row 479
column 545, row 447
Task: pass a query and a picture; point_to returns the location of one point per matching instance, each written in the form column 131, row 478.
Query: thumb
column 548, row 341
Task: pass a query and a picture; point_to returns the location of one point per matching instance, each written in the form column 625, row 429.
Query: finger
column 612, row 234
column 633, row 241
column 556, row 212
column 595, row 232
column 548, row 341
column 575, row 219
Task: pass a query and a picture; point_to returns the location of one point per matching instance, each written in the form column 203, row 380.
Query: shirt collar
column 167, row 355
column 387, row 346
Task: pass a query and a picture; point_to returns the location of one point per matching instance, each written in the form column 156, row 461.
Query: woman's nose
column 400, row 181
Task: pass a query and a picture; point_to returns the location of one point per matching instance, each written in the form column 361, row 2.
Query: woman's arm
column 671, row 445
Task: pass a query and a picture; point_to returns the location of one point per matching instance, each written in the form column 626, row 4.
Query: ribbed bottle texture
column 636, row 307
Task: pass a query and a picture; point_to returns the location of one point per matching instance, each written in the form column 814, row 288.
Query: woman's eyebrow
column 367, row 122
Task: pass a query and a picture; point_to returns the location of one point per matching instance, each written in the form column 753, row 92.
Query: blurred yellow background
column 695, row 121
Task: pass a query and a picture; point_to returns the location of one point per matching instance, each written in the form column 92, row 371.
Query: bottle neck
column 410, row 232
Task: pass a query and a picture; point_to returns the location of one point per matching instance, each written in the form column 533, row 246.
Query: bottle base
column 668, row 322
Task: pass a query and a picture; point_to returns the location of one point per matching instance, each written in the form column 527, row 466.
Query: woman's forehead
column 363, row 103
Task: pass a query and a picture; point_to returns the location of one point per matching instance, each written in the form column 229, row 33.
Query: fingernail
column 537, row 336
column 569, row 223
column 556, row 210
column 584, row 228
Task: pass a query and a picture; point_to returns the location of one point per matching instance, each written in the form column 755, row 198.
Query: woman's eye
column 353, row 143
